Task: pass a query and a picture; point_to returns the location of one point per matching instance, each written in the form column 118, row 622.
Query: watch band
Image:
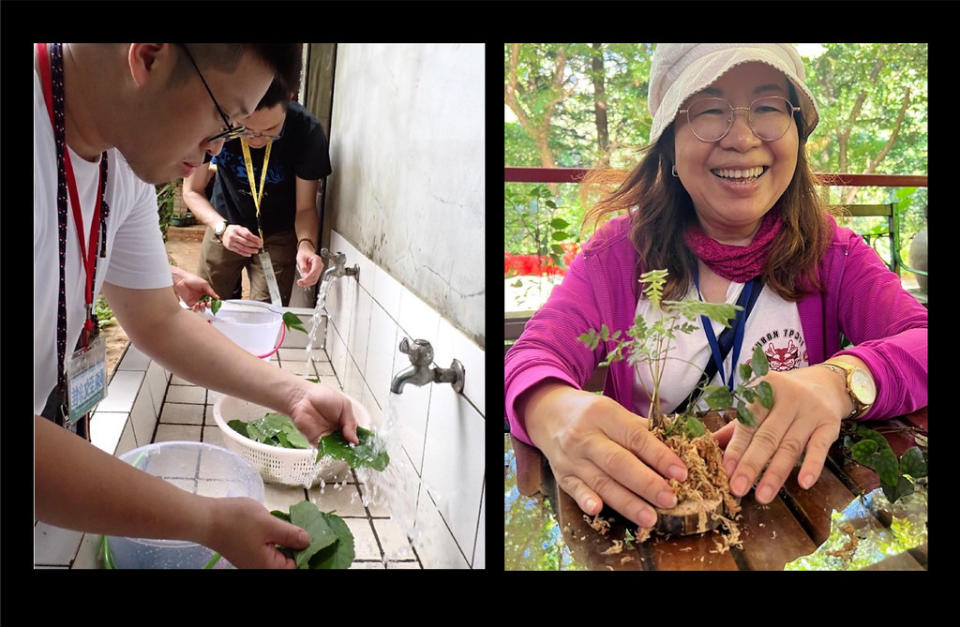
column 218, row 232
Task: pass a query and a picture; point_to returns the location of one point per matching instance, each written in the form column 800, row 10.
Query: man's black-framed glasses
column 230, row 132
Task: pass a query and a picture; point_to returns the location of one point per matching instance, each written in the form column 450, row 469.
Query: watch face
column 862, row 386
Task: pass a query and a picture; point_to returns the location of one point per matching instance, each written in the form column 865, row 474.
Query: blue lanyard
column 740, row 323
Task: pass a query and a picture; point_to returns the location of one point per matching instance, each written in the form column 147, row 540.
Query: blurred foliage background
column 585, row 105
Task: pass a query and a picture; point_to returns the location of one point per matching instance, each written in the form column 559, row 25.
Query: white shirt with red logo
column 773, row 325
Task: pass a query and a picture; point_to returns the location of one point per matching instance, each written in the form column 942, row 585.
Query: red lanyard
column 88, row 255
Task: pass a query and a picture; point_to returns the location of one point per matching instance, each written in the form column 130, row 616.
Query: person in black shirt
column 293, row 144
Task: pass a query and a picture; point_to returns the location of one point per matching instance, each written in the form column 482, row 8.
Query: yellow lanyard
column 263, row 177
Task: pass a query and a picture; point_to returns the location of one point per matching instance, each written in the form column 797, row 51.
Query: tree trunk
column 600, row 104
column 539, row 130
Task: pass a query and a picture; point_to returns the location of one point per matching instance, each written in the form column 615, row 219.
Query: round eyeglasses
column 230, row 132
column 248, row 134
column 711, row 119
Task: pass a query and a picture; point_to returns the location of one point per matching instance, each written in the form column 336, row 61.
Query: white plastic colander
column 287, row 466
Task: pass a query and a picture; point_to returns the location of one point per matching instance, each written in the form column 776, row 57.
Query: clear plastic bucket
column 199, row 468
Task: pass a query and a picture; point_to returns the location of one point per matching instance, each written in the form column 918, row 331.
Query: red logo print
column 783, row 359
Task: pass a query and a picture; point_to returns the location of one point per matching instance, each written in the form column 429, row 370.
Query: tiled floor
column 379, row 542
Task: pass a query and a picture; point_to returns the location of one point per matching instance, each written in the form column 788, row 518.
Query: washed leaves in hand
column 291, row 320
column 331, row 542
column 370, row 452
column 273, row 429
column 215, row 303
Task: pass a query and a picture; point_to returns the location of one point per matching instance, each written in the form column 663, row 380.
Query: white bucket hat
column 680, row 70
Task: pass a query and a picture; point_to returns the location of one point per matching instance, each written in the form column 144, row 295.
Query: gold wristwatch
column 859, row 383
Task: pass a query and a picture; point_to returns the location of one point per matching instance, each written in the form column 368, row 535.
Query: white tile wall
column 122, row 391
column 409, row 411
column 381, row 351
column 434, row 544
column 479, row 550
column 453, row 344
column 453, row 463
column 133, row 359
column 143, row 417
column 360, row 329
column 440, row 433
column 157, row 379
column 106, row 429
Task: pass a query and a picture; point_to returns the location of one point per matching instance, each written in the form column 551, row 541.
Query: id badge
column 86, row 371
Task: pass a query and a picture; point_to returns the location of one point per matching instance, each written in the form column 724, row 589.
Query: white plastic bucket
column 255, row 326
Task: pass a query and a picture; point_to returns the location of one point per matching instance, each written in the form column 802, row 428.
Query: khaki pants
column 222, row 268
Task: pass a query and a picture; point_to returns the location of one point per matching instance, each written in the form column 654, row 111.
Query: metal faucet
column 336, row 266
column 420, row 372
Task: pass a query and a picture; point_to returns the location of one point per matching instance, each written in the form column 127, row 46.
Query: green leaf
column 291, row 321
column 892, row 492
column 370, row 452
column 760, row 364
column 765, row 393
column 694, row 428
column 268, row 430
column 340, row 554
column 559, row 223
column 557, row 248
column 886, row 466
column 863, row 452
column 748, row 394
column 913, row 464
column 559, row 236
column 306, row 516
column 590, row 338
column 717, row 397
column 517, row 283
column 215, row 303
column 240, row 427
column 744, row 415
column 745, row 372
column 294, row 438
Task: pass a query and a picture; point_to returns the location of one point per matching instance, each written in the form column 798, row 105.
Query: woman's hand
column 246, row 534
column 317, row 410
column 190, row 288
column 808, row 407
column 600, row 452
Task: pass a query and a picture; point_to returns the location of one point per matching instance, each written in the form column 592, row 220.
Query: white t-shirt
column 136, row 257
column 774, row 325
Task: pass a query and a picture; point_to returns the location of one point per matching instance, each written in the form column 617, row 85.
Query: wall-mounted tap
column 420, row 372
column 335, row 266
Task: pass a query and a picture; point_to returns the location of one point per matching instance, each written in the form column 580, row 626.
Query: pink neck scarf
column 735, row 263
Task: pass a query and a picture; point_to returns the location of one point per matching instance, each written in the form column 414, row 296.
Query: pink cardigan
column 862, row 299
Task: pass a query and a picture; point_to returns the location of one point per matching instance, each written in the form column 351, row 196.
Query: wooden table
column 791, row 526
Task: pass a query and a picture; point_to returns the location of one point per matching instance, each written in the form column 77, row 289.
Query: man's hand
column 246, row 534
column 318, row 410
column 190, row 288
column 310, row 265
column 240, row 240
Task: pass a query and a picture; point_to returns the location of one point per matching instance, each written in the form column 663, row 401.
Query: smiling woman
column 725, row 201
